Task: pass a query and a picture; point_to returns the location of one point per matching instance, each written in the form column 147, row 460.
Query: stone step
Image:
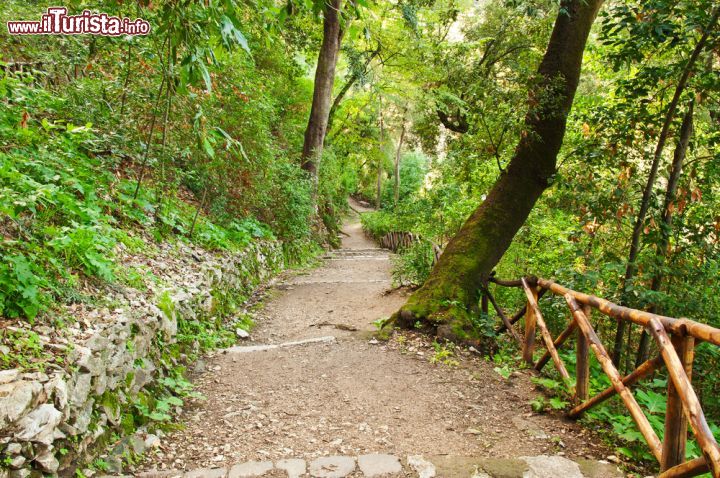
column 415, row 466
column 358, row 252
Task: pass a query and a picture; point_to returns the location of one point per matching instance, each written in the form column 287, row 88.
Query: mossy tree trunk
column 453, row 286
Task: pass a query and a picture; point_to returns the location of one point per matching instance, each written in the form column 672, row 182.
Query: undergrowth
column 66, row 205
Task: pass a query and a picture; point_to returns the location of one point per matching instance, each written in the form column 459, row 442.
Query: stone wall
column 53, row 421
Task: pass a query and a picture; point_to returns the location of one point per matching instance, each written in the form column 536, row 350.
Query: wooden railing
column 675, row 339
column 396, row 240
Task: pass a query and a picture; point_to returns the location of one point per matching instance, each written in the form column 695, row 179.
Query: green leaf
column 208, row 147
column 205, row 74
column 231, row 34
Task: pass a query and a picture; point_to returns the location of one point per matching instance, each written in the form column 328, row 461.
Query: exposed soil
column 356, row 395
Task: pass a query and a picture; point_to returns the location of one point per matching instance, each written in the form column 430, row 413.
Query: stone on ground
column 379, row 465
column 332, row 467
column 160, row 474
column 424, row 468
column 543, row 466
column 250, row 469
column 207, row 473
column 295, row 468
column 504, row 467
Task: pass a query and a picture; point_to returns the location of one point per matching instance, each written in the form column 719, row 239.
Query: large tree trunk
column 630, row 268
column 322, row 94
column 452, row 288
column 686, row 131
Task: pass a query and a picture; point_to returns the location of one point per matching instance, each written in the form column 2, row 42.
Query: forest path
column 344, row 394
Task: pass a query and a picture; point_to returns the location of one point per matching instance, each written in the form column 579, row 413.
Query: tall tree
column 471, row 255
column 398, row 155
column 686, row 131
column 381, row 157
column 630, row 268
column 324, row 81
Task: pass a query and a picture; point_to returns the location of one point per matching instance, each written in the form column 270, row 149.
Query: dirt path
column 348, row 394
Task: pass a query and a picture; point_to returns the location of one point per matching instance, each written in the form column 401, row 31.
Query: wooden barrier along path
column 396, row 240
column 675, row 339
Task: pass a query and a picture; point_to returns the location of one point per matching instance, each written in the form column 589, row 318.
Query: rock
column 250, row 469
column 16, row 462
column 97, row 343
column 13, row 449
column 207, row 473
column 19, row 474
column 612, row 459
column 57, row 389
column 152, row 441
column 160, row 474
column 295, row 468
column 7, row 376
column 83, row 417
column 243, row 334
column 504, row 467
column 35, row 377
column 479, row 474
column 114, row 465
column 379, row 465
column 332, row 467
column 137, row 444
column 80, row 389
column 84, row 359
column 101, row 382
column 424, row 468
column 47, row 461
column 15, row 399
column 142, row 377
column 595, row 469
column 200, row 366
column 543, row 466
column 39, row 425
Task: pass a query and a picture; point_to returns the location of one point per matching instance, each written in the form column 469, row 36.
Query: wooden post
column 530, row 324
column 546, row 336
column 638, row 374
column 675, row 421
column 503, row 317
column 582, row 363
column 559, row 341
column 518, row 315
column 627, row 397
column 691, row 405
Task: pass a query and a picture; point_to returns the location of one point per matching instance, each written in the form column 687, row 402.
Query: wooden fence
column 675, row 340
column 397, row 240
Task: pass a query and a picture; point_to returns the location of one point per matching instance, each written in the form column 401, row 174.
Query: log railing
column 396, row 240
column 675, row 339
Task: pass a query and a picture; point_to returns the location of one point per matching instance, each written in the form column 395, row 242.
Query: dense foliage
column 476, row 71
column 183, row 134
column 194, row 133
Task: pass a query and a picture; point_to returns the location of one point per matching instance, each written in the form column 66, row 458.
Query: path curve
column 339, row 392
